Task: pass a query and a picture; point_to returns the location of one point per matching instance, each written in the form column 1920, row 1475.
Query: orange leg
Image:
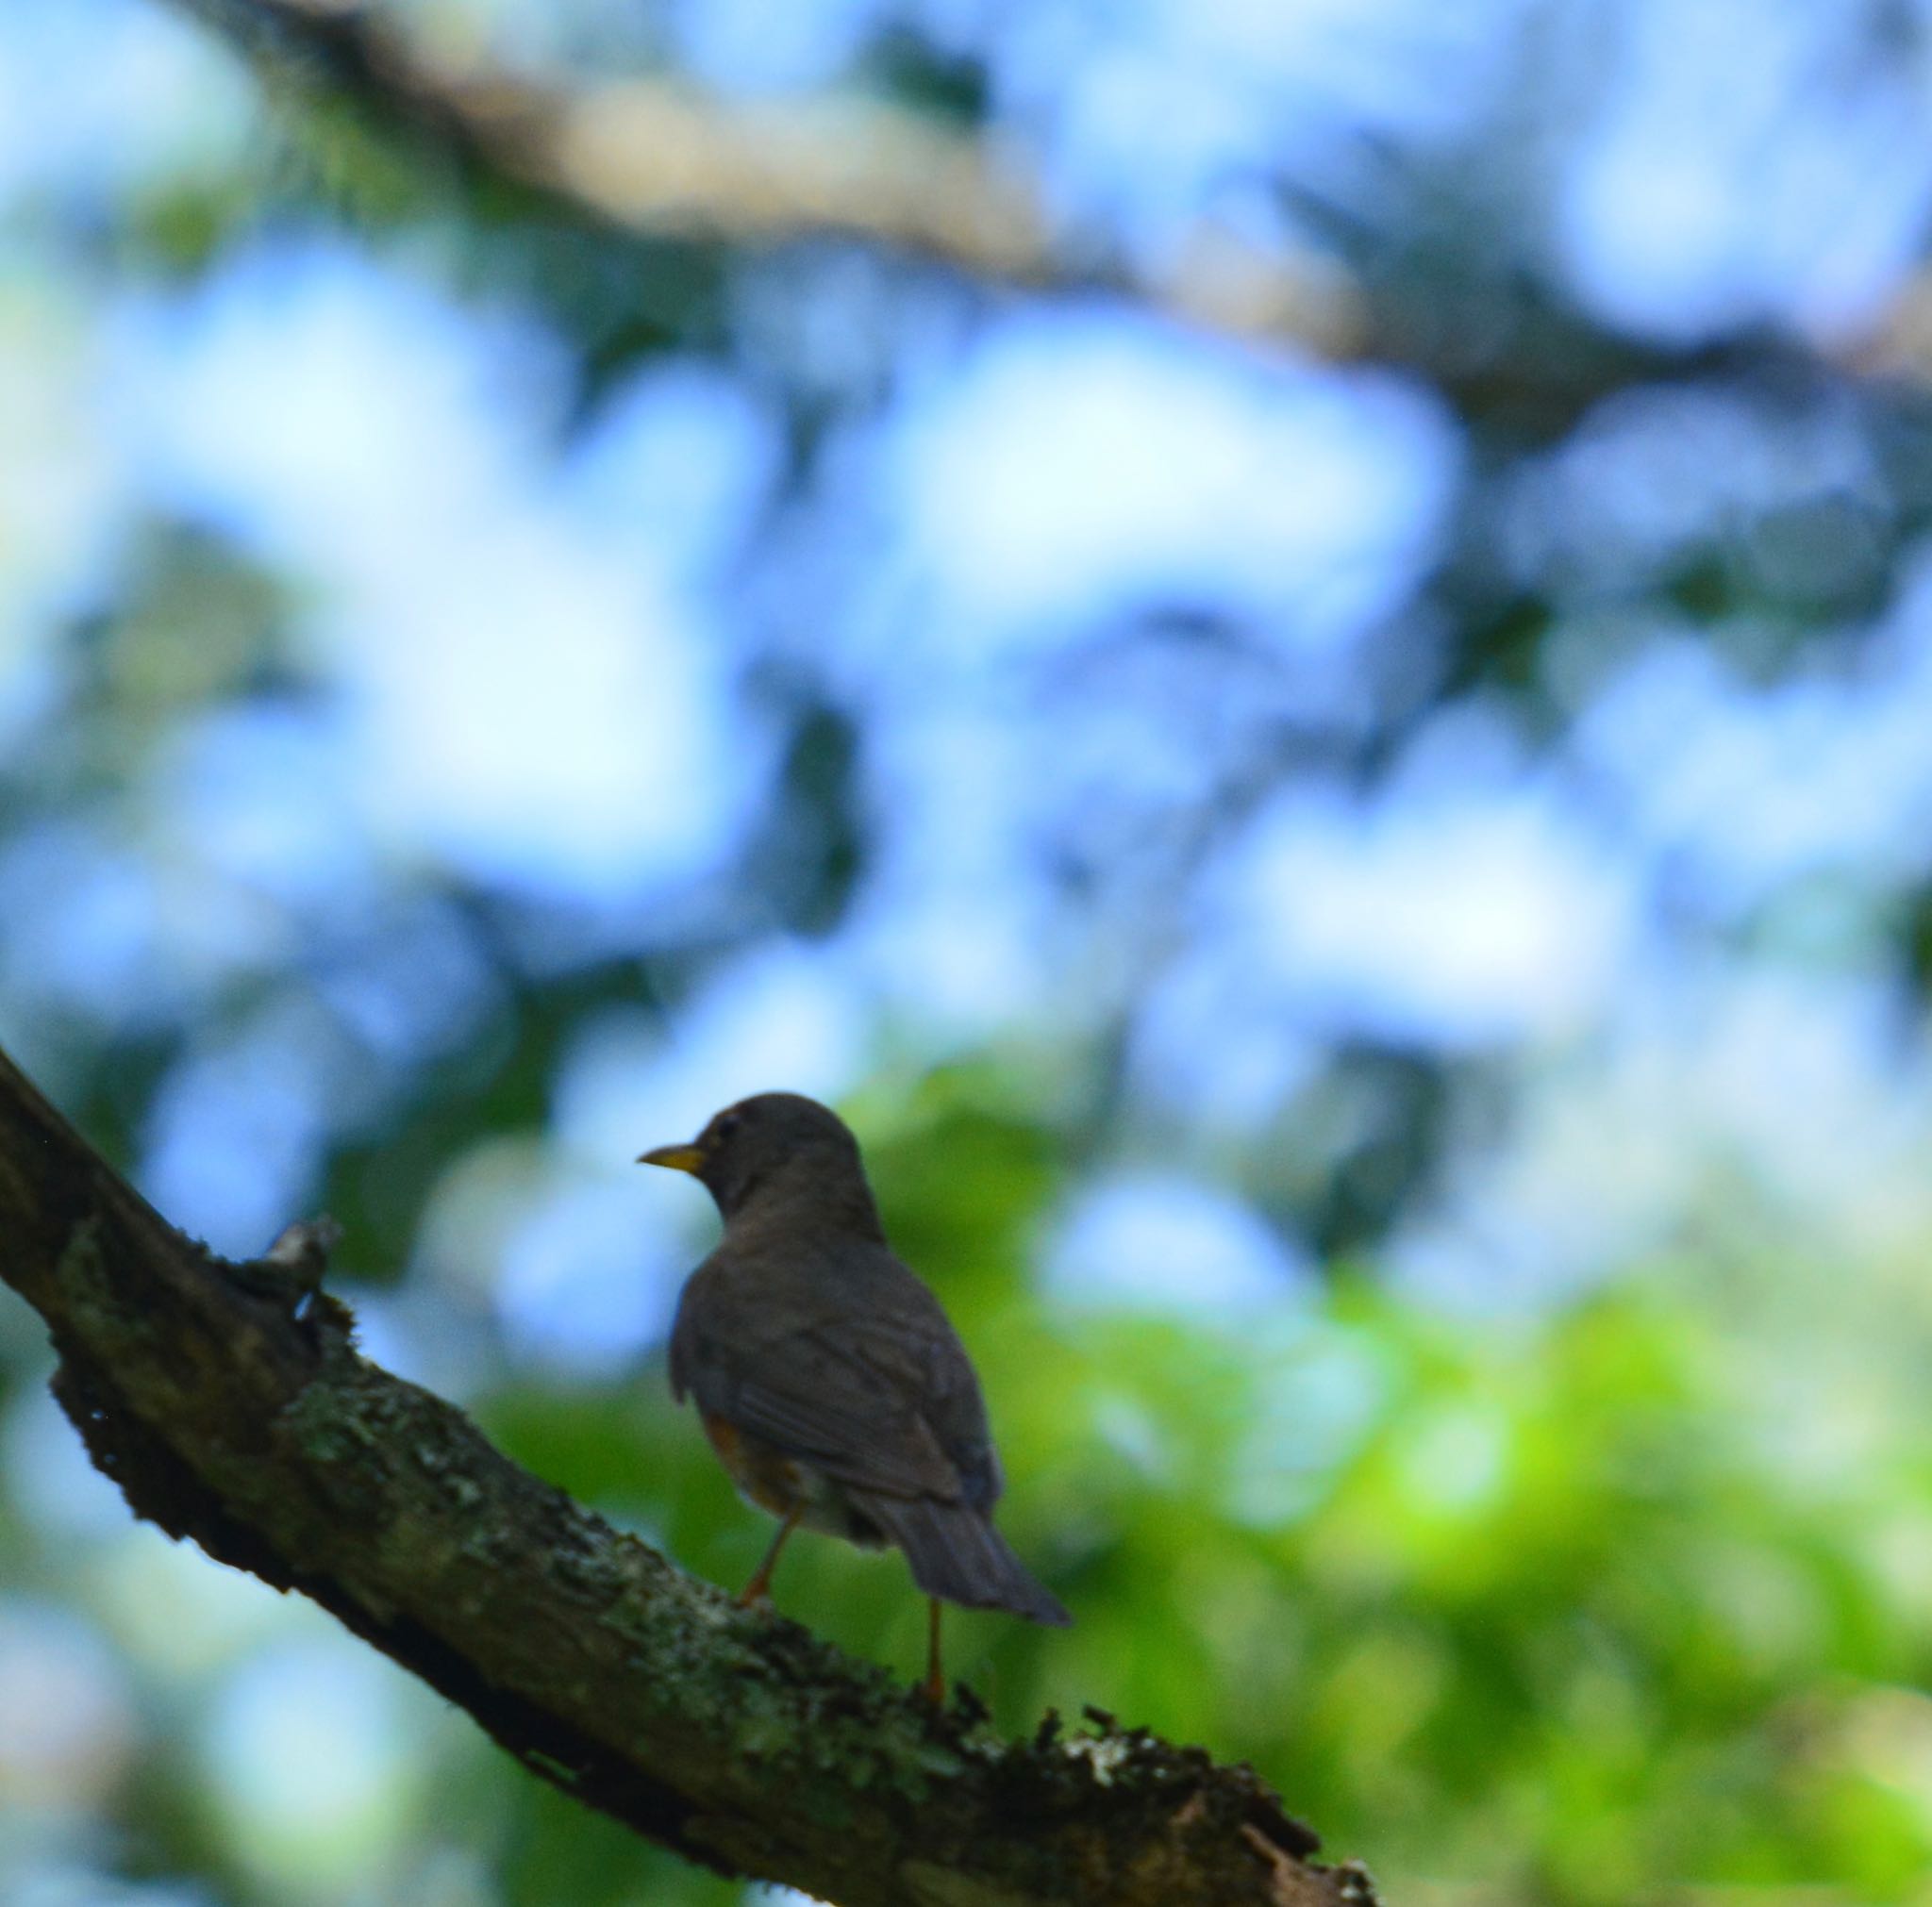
column 935, row 1679
column 756, row 1589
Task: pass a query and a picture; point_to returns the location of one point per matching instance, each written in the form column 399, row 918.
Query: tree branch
column 657, row 159
column 654, row 159
column 230, row 1406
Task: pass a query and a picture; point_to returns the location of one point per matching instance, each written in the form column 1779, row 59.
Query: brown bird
column 830, row 1383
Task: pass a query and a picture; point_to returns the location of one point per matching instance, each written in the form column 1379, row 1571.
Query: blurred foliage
column 1602, row 1591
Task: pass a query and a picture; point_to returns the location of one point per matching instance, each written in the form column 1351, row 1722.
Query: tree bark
column 230, row 1406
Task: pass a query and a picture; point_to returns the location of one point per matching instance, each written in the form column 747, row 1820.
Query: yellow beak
column 678, row 1158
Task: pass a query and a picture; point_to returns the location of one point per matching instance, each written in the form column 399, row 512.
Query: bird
column 828, row 1377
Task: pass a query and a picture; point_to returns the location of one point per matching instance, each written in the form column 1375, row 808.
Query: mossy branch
column 230, row 1406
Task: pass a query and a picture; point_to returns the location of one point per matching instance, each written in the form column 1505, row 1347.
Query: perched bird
column 830, row 1383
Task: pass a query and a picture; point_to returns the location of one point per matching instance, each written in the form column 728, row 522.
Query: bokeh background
column 1368, row 888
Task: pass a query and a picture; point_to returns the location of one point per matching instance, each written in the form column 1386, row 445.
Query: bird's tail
column 955, row 1553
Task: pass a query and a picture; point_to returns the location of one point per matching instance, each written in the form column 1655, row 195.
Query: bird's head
column 772, row 1141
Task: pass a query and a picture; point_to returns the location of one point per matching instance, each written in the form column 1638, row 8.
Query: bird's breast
column 784, row 1486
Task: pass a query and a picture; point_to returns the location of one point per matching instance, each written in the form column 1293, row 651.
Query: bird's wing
column 876, row 1402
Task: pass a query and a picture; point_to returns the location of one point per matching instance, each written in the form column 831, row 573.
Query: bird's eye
column 727, row 1125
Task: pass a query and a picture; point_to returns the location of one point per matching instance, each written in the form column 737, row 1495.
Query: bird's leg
column 935, row 1679
column 754, row 1591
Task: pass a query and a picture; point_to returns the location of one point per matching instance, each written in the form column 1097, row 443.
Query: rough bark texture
column 230, row 1406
